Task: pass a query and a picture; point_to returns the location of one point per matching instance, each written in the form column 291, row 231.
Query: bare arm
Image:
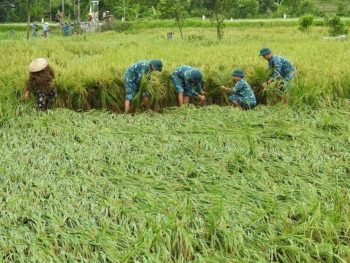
column 228, row 90
column 27, row 94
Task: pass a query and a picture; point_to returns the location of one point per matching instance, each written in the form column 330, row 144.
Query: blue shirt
column 281, row 66
column 66, row 29
column 184, row 73
column 244, row 91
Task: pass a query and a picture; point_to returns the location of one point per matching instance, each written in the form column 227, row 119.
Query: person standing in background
column 35, row 29
column 66, row 29
column 46, row 29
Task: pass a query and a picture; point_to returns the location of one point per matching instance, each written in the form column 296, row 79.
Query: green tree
column 199, row 7
column 8, row 9
column 219, row 11
column 302, row 7
column 132, row 12
column 280, row 8
column 134, row 9
column 342, row 6
column 246, row 8
column 266, row 6
column 173, row 9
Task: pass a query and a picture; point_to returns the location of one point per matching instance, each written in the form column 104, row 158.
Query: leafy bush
column 305, row 22
column 116, row 26
column 336, row 27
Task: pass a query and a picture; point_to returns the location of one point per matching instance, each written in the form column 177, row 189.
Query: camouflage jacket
column 243, row 90
column 281, row 67
column 136, row 71
column 183, row 73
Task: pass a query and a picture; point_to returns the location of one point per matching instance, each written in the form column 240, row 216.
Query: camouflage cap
column 157, row 64
column 196, row 76
column 265, row 51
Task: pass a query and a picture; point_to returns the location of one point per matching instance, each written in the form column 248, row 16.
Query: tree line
column 17, row 10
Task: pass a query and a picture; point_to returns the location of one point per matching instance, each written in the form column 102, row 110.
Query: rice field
column 193, row 184
column 211, row 184
column 90, row 67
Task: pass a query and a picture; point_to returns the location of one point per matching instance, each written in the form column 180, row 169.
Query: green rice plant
column 213, row 80
column 161, row 90
column 138, row 98
column 79, row 65
column 304, row 95
column 194, row 184
column 247, row 187
column 256, row 77
column 71, row 94
column 274, row 93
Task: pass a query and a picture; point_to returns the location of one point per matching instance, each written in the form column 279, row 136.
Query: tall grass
column 90, row 67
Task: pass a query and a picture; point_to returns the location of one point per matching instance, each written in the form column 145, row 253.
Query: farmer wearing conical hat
column 241, row 95
column 281, row 68
column 40, row 80
column 133, row 76
column 187, row 81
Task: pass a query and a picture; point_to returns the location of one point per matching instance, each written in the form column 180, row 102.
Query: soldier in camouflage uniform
column 186, row 80
column 242, row 96
column 281, row 68
column 41, row 76
column 133, row 76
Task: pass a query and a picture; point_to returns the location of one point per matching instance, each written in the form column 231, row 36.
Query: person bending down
column 281, row 68
column 41, row 77
column 188, row 82
column 133, row 76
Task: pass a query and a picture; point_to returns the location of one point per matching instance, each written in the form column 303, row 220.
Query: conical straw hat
column 38, row 64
